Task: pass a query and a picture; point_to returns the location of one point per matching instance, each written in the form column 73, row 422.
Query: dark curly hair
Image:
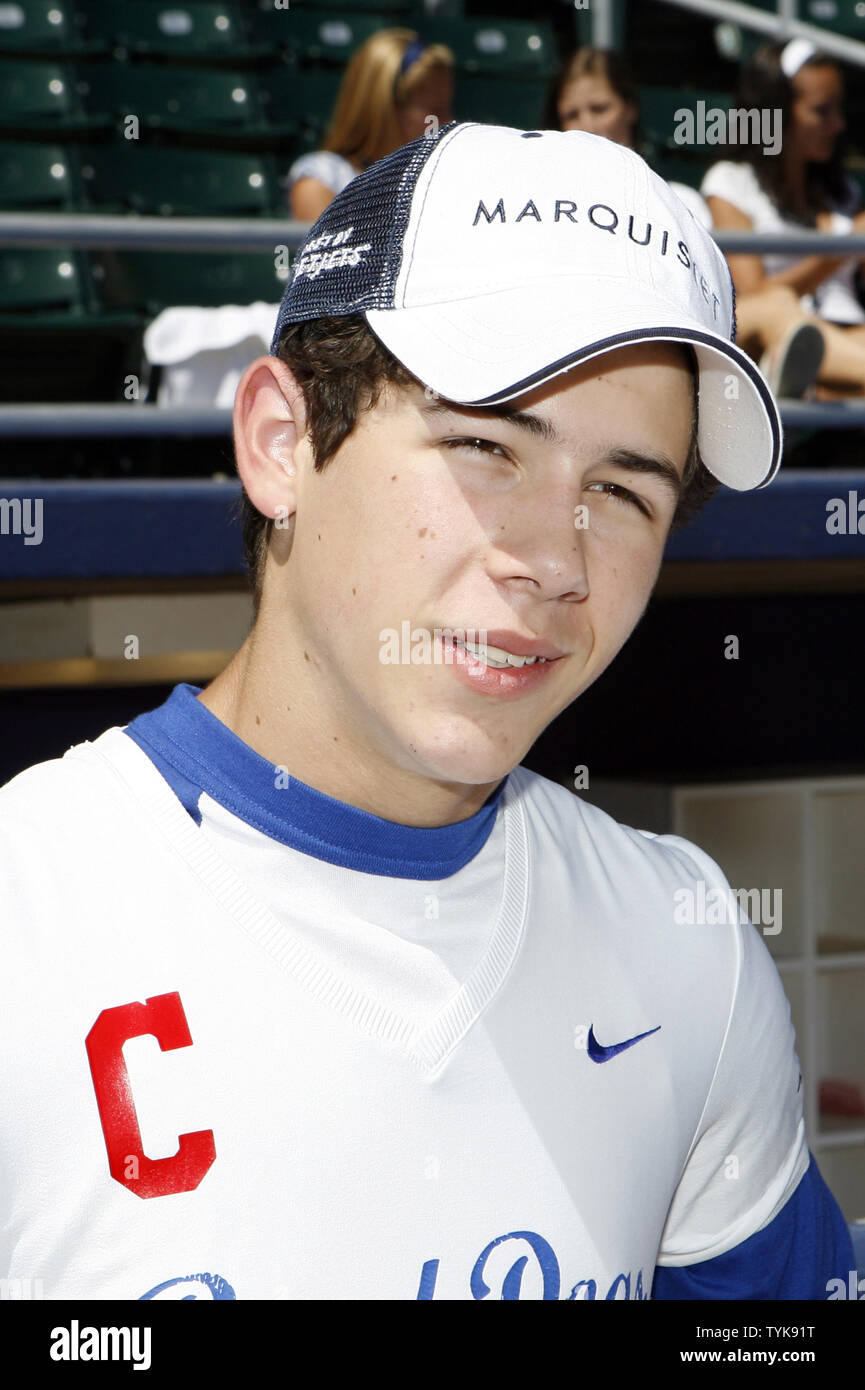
column 342, row 369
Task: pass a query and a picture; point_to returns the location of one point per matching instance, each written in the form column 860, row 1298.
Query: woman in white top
column 802, row 186
column 595, row 92
column 392, row 85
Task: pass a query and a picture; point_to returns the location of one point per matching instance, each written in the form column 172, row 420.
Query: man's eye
column 621, row 495
column 478, row 446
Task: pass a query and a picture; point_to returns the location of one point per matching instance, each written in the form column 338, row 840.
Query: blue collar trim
column 196, row 752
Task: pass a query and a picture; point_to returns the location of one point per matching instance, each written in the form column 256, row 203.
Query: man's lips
column 498, row 678
column 514, row 642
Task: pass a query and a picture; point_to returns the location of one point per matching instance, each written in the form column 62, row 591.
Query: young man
column 317, row 994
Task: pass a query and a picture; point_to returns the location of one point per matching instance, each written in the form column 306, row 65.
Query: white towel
column 204, row 352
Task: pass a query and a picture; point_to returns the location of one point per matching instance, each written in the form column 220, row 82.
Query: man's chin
column 469, row 761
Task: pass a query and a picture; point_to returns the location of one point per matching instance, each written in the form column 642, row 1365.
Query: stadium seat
column 396, row 10
column 838, row 16
column 49, row 280
column 308, row 37
column 40, row 97
column 130, row 177
column 149, row 281
column 846, row 17
column 36, row 176
column 497, row 102
column 507, row 46
column 42, row 29
column 658, row 107
column 298, row 102
column 195, row 32
column 212, row 104
column 54, row 344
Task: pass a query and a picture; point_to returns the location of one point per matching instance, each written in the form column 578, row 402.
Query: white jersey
column 259, row 1044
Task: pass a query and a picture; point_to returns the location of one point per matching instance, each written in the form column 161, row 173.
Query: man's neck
column 262, row 707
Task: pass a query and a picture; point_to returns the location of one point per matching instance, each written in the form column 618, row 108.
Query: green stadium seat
column 38, row 177
column 298, row 102
column 130, row 177
column 308, row 37
column 496, row 102
column 43, row 28
column 507, row 46
column 195, row 32
column 658, row 107
column 38, row 97
column 149, row 281
column 203, row 102
column 396, row 10
column 48, row 280
column 54, row 344
column 845, row 17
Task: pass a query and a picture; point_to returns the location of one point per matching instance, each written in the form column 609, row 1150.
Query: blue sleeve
column 794, row 1257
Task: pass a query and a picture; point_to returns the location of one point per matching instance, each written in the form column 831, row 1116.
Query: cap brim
column 493, row 348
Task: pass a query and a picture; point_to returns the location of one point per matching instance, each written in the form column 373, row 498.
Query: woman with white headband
column 802, row 185
column 595, row 92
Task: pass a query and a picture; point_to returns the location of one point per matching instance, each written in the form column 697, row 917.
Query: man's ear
column 269, row 423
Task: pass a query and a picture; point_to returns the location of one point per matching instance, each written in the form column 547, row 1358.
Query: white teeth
column 497, row 656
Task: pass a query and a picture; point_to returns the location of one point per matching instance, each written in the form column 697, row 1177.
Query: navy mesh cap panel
column 351, row 258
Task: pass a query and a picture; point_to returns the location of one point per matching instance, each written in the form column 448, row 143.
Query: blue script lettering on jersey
column 548, row 1265
column 190, row 1287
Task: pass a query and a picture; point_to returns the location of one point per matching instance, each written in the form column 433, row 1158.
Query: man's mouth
column 495, row 656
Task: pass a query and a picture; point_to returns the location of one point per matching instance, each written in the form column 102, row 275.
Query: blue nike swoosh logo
column 598, row 1053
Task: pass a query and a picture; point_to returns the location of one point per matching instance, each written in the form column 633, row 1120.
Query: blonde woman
column 392, row 85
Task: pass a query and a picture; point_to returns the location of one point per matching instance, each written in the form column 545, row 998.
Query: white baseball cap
column 490, row 260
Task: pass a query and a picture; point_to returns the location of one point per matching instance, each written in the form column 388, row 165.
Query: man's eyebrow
column 657, row 465
column 535, row 424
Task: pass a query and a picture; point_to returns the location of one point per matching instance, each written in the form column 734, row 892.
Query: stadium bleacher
column 172, row 109
column 192, row 109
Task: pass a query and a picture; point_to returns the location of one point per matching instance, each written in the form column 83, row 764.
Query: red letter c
column 162, row 1016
